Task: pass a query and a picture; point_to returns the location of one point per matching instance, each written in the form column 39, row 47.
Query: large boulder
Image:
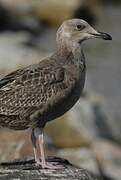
column 102, row 158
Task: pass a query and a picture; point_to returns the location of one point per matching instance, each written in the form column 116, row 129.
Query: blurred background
column 89, row 135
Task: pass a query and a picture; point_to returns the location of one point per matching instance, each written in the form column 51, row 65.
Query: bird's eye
column 80, row 27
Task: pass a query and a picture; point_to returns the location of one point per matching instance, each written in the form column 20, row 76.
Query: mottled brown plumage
column 36, row 94
column 28, row 96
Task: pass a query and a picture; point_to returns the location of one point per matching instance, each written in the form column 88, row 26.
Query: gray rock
column 92, row 116
column 26, row 169
column 13, row 54
column 81, row 157
column 108, row 157
column 102, row 158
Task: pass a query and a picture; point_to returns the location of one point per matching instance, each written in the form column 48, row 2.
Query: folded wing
column 31, row 87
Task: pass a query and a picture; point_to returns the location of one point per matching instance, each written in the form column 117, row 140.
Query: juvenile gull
column 36, row 94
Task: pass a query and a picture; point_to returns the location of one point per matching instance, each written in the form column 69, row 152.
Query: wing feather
column 30, row 87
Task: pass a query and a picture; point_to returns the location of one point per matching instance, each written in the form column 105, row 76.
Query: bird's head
column 78, row 30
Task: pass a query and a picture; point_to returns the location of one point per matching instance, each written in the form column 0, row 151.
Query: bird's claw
column 49, row 165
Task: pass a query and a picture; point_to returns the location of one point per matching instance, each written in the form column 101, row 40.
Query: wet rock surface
column 26, row 169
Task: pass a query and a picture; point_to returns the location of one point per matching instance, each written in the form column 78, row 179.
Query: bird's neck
column 70, row 52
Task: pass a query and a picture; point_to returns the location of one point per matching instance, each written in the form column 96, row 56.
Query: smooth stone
column 65, row 133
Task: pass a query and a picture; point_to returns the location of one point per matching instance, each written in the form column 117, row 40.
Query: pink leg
column 38, row 134
column 41, row 142
column 34, row 141
column 44, row 163
column 37, row 160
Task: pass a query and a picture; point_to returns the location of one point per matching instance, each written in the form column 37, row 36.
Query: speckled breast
column 66, row 103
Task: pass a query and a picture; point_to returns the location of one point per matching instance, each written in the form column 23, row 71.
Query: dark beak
column 103, row 35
